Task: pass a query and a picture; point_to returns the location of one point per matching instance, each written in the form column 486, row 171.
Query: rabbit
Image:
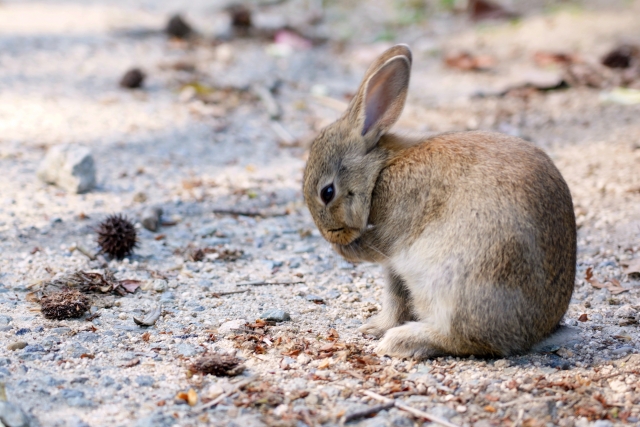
column 475, row 230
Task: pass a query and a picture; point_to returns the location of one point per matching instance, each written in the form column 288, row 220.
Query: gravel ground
column 198, row 139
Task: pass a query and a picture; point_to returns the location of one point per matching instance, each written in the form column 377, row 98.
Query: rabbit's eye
column 327, row 193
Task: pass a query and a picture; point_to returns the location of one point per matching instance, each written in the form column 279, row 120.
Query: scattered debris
column 150, row 318
column 411, row 410
column 220, row 365
column 191, row 397
column 68, row 304
column 613, row 285
column 265, row 283
column 219, row 253
column 238, row 386
column 87, row 282
column 70, row 167
column 178, row 27
column 466, row 61
column 132, row 79
column 117, row 236
column 270, row 104
column 150, row 218
column 248, row 213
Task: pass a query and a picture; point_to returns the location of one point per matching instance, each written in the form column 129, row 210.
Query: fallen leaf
column 490, row 408
column 583, row 317
column 466, row 61
column 633, row 267
column 613, row 285
column 130, row 285
column 484, row 9
column 545, row 59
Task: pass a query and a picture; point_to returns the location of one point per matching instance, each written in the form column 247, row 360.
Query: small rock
column 159, row 285
column 443, row 412
column 602, row 423
column 187, row 350
column 145, row 381
column 178, row 27
column 70, row 167
column 231, row 326
column 23, row 331
column 150, row 218
column 18, row 345
column 5, row 320
column 132, row 79
column 276, row 315
column 12, row 416
column 315, row 298
column 5, row 361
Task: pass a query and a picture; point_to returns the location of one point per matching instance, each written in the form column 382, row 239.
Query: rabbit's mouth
column 342, row 236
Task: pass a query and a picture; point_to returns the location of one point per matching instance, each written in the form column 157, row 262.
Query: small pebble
column 18, row 345
column 12, row 416
column 132, row 79
column 70, row 167
column 178, row 27
column 275, row 315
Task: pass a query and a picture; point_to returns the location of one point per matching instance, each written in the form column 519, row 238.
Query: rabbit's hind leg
column 413, row 340
column 396, row 308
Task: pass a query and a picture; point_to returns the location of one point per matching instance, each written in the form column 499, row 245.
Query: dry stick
column 265, row 283
column 366, row 412
column 411, row 410
column 86, row 252
column 239, row 385
column 221, row 294
column 248, row 213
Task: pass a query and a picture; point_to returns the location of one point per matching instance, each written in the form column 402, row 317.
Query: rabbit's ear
column 382, row 94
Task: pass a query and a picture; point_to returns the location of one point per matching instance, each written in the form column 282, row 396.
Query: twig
column 86, row 252
column 265, row 283
column 239, row 385
column 248, row 213
column 283, row 134
column 270, row 103
column 221, row 294
column 411, row 410
column 519, row 401
column 366, row 412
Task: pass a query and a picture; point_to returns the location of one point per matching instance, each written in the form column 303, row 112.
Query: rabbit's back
column 481, row 227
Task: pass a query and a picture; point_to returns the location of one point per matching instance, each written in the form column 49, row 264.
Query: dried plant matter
column 68, row 304
column 86, row 282
column 220, row 365
column 117, row 236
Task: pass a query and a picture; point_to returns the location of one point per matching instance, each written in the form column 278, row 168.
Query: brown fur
column 476, row 230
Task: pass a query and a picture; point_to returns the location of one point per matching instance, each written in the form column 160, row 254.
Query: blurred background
column 174, row 97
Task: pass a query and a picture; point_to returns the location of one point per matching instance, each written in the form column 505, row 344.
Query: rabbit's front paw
column 409, row 341
column 378, row 325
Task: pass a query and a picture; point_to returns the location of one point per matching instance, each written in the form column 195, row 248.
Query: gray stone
column 5, row 320
column 61, row 330
column 12, row 416
column 5, row 361
column 156, row 420
column 188, row 350
column 314, row 298
column 145, row 381
column 443, row 412
column 150, row 218
column 276, row 315
column 70, row 167
column 87, row 336
column 231, row 326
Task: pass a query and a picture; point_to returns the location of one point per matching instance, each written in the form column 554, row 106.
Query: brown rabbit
column 476, row 230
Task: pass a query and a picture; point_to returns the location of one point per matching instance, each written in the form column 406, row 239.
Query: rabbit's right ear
column 381, row 96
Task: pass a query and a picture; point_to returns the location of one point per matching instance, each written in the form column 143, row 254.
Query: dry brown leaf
column 583, row 317
column 466, row 61
column 633, row 267
column 612, row 285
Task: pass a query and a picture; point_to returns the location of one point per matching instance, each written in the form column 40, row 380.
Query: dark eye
column 327, row 193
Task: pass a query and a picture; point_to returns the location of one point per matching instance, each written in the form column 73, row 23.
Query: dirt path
column 199, row 137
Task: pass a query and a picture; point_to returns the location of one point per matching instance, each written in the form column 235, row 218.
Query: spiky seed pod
column 68, row 304
column 218, row 365
column 117, row 236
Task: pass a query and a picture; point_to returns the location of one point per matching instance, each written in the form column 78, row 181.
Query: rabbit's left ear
column 382, row 94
